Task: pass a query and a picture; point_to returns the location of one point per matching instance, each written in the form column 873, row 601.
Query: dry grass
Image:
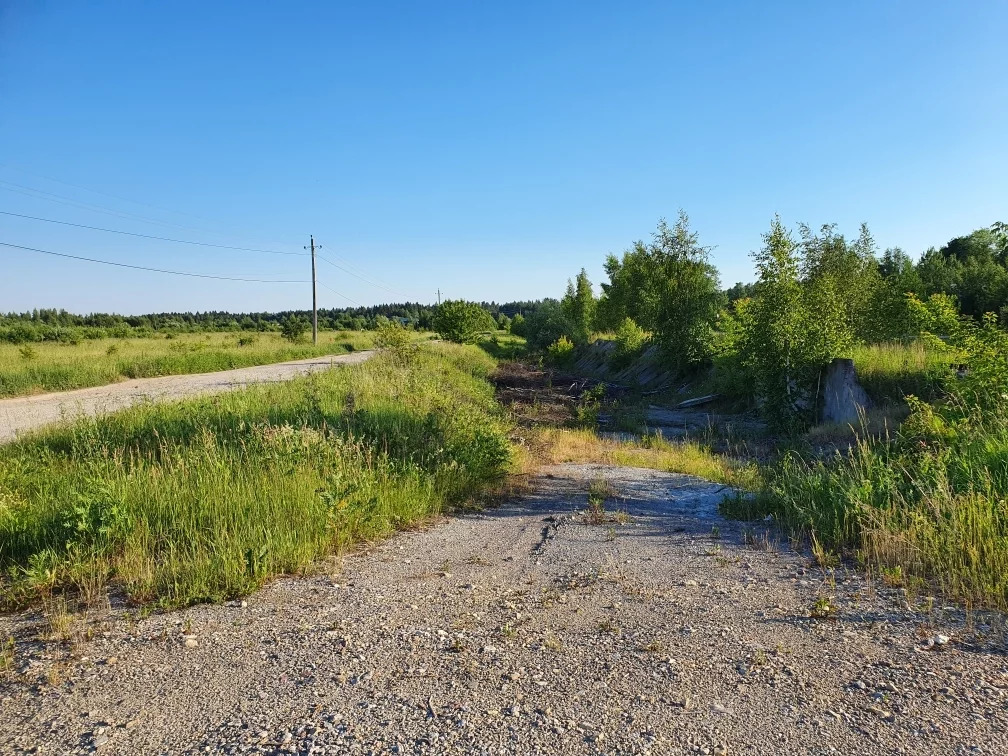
column 558, row 445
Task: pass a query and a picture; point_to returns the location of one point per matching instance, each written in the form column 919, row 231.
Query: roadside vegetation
column 916, row 488
column 33, row 367
column 206, row 499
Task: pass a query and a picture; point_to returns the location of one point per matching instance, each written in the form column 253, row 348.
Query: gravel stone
column 629, row 637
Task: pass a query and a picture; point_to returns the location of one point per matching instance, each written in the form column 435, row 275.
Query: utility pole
column 314, row 292
column 439, row 297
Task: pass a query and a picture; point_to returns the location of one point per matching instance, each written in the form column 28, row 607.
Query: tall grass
column 929, row 502
column 54, row 366
column 205, row 499
column 938, row 516
column 891, row 370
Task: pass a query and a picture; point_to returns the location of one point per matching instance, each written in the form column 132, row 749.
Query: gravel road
column 527, row 630
column 27, row 413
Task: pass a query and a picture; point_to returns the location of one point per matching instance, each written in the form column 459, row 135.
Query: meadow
column 204, row 499
column 35, row 368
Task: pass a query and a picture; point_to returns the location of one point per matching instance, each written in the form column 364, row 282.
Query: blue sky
column 486, row 149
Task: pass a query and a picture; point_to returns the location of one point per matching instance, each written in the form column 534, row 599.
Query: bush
column 547, row 324
column 561, row 351
column 294, row 327
column 396, row 339
column 461, row 321
column 517, row 326
column 630, row 341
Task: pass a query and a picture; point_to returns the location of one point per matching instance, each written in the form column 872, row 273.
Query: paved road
column 526, row 630
column 27, row 413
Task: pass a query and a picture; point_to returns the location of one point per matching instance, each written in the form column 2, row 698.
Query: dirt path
column 524, row 630
column 26, row 413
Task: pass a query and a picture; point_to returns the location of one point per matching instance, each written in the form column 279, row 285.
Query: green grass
column 891, row 370
column 936, row 514
column 503, row 345
column 205, row 499
column 37, row 368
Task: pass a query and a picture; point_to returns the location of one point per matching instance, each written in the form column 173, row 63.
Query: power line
column 339, row 294
column 147, row 236
column 152, row 270
column 362, row 278
column 104, row 194
column 61, row 199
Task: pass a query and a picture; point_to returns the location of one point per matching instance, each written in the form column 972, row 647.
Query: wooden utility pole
column 314, row 294
column 439, row 297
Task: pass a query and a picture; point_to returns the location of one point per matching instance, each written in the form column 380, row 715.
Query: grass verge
column 52, row 366
column 206, row 499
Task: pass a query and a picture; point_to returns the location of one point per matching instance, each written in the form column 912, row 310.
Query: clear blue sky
column 486, row 149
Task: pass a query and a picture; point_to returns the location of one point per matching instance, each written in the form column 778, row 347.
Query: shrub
column 630, row 340
column 517, row 325
column 547, row 324
column 396, row 339
column 294, row 327
column 461, row 321
column 561, row 351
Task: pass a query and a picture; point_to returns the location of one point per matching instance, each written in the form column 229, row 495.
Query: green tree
column 667, row 287
column 578, row 305
column 547, row 324
column 688, row 296
column 294, row 327
column 844, row 275
column 461, row 321
column 791, row 331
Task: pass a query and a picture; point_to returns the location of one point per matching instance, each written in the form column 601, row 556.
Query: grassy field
column 206, row 499
column 38, row 368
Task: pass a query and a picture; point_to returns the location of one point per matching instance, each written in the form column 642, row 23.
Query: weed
column 892, row 576
column 598, row 491
column 552, row 642
column 825, row 558
column 823, row 608
column 27, row 352
column 606, row 626
column 7, row 655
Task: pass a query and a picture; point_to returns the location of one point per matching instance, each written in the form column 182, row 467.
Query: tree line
column 46, row 324
column 817, row 294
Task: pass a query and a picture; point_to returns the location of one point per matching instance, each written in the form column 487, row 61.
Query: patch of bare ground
column 610, row 610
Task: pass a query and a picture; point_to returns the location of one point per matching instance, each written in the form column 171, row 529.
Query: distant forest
column 60, row 325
